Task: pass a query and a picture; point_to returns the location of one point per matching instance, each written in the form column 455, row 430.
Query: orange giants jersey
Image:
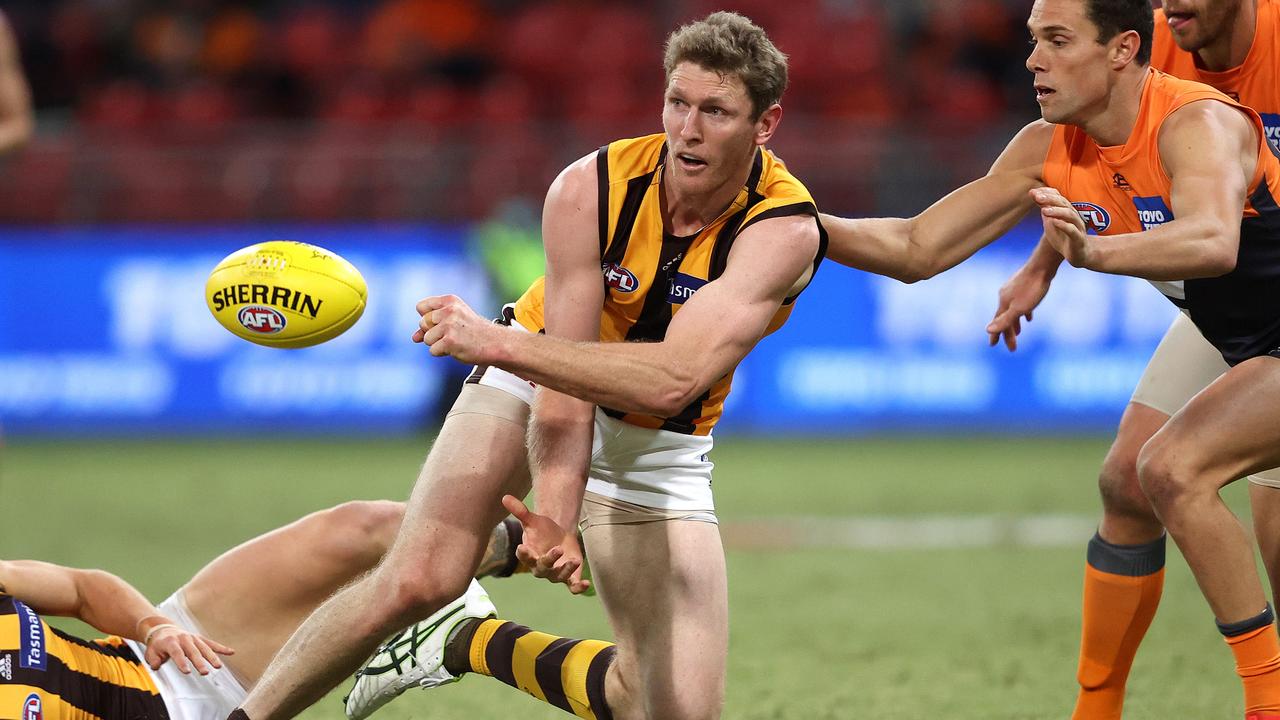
column 1124, row 189
column 1255, row 82
column 649, row 274
column 46, row 674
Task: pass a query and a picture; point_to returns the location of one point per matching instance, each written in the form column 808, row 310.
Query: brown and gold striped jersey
column 649, row 273
column 46, row 674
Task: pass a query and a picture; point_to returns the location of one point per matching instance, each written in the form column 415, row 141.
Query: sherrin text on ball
column 285, row 294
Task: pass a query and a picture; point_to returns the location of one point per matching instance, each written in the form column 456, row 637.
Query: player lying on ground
column 1233, row 45
column 164, row 660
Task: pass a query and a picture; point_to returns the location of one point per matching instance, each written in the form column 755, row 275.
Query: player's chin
column 701, row 183
column 1189, row 40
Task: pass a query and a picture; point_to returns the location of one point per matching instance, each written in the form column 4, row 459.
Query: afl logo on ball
column 1095, row 217
column 259, row 319
column 619, row 278
column 32, row 709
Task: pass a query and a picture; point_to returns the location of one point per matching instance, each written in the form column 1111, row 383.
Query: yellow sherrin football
column 285, row 294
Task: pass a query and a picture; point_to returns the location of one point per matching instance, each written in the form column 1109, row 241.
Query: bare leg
column 1127, row 515
column 455, row 504
column 665, row 590
column 255, row 595
column 1227, row 431
column 1123, row 575
column 1265, row 502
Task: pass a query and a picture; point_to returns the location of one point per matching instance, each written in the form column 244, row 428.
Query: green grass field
column 956, row 632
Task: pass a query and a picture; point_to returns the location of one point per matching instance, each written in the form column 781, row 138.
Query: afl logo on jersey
column 619, row 278
column 32, row 708
column 1095, row 217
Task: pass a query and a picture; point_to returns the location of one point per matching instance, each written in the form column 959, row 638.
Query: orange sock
column 1122, row 587
column 1258, row 664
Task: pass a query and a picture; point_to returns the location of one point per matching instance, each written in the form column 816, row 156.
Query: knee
column 414, row 590
column 1168, row 478
column 358, row 533
column 1119, row 486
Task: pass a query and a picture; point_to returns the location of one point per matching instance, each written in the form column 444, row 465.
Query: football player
column 1233, row 45
column 194, row 655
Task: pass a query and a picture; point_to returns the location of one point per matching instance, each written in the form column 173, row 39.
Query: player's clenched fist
column 450, row 327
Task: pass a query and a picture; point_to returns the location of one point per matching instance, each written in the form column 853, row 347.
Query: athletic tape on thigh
column 486, row 400
column 599, row 510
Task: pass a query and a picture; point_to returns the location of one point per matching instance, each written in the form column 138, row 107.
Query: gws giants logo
column 32, row 708
column 619, row 278
column 263, row 320
column 1095, row 217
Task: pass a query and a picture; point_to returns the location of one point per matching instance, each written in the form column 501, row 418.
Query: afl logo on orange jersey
column 1095, row 217
column 619, row 278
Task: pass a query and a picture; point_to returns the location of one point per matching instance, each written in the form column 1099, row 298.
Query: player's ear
column 1124, row 48
column 767, row 123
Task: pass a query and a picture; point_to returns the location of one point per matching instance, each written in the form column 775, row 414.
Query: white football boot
column 414, row 657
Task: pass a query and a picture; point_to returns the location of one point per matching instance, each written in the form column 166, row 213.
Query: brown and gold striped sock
column 563, row 672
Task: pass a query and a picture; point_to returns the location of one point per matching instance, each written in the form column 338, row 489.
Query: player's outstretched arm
column 1209, row 150
column 17, row 121
column 111, row 605
column 560, row 426
column 951, row 229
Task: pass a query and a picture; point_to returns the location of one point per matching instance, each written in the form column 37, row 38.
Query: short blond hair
column 728, row 43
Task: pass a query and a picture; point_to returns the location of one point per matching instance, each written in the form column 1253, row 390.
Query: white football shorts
column 643, row 466
column 194, row 696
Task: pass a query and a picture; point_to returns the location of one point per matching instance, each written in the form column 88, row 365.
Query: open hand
column 1018, row 297
column 186, row 649
column 548, row 550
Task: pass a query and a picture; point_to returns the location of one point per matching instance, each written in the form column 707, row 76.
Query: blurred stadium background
column 905, row 508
